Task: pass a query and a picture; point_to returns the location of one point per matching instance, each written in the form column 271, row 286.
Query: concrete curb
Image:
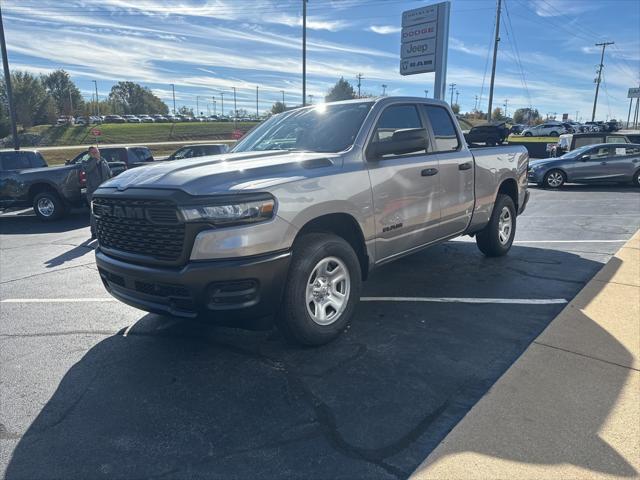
column 569, row 407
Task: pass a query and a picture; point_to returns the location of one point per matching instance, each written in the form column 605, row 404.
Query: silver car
column 605, row 162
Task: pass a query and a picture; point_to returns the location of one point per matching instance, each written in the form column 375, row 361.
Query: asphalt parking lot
column 91, row 388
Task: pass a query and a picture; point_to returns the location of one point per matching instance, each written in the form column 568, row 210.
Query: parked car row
column 554, row 128
column 97, row 119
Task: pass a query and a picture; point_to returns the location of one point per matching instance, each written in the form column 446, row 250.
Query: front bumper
column 235, row 289
column 536, row 176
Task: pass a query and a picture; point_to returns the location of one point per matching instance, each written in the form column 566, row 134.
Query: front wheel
column 322, row 290
column 554, row 179
column 636, row 179
column 48, row 206
column 554, row 134
column 496, row 238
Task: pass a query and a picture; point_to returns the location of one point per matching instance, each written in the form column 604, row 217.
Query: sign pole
column 629, row 114
column 440, row 81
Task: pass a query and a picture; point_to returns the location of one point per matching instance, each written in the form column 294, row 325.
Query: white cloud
column 558, row 8
column 384, row 29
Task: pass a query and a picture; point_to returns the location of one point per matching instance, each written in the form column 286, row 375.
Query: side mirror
column 402, row 141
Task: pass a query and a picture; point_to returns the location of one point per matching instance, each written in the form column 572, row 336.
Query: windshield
column 577, row 152
column 323, row 128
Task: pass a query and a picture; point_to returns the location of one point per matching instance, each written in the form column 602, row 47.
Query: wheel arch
column 346, row 227
column 40, row 187
column 509, row 187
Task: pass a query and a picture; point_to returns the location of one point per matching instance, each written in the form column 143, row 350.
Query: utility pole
column 495, row 58
column 600, row 67
column 384, row 89
column 426, row 94
column 457, row 94
column 475, row 106
column 282, row 97
column 359, row 77
column 257, row 114
column 7, row 82
column 173, row 90
column 304, row 52
column 506, row 106
column 95, row 83
column 452, row 87
column 197, row 106
column 213, row 100
column 70, row 104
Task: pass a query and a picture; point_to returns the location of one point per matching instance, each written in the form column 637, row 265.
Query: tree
column 64, row 93
column 497, row 114
column 184, row 110
column 342, row 90
column 278, row 107
column 32, row 103
column 134, row 99
column 456, row 108
column 526, row 115
column 5, row 123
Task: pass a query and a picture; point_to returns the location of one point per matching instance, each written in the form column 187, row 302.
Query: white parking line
column 516, row 301
column 570, row 241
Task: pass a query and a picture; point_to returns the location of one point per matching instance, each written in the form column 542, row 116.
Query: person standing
column 97, row 171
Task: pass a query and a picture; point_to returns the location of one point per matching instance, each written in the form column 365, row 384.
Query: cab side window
column 444, row 131
column 15, row 161
column 396, row 118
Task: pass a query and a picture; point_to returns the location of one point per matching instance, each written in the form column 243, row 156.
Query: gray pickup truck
column 26, row 180
column 302, row 210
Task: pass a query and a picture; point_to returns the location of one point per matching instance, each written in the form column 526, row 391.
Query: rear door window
column 143, row 154
column 15, row 160
column 444, row 130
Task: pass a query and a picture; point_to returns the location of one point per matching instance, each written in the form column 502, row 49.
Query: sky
column 547, row 57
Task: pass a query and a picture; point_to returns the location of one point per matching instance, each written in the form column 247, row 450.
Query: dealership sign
column 424, row 39
column 633, row 93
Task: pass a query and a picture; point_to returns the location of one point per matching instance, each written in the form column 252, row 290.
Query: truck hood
column 229, row 172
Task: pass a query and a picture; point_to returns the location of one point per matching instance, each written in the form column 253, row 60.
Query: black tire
column 48, row 206
column 488, row 240
column 548, row 181
column 554, row 134
column 294, row 319
column 636, row 179
column 528, row 134
column 491, row 142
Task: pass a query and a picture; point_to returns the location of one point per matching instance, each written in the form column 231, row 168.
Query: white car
column 131, row 118
column 545, row 130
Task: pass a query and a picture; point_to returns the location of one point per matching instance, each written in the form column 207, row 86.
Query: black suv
column 490, row 134
column 119, row 158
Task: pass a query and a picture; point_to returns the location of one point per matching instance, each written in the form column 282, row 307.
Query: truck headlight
column 232, row 213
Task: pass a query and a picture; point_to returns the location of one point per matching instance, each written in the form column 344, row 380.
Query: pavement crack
column 586, row 356
column 544, row 277
column 55, row 334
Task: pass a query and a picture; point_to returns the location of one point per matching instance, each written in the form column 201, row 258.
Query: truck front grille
column 145, row 227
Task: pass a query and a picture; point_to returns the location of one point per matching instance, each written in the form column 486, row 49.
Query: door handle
column 465, row 166
column 429, row 172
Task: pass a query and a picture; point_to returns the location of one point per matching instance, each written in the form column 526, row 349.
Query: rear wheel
column 496, row 238
column 322, row 289
column 491, row 142
column 554, row 179
column 554, row 134
column 48, row 206
column 528, row 134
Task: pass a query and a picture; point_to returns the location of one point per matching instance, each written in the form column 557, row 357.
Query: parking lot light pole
column 7, row 82
column 173, row 89
column 95, row 83
column 257, row 114
column 222, row 106
column 235, row 105
column 304, row 52
column 283, row 98
column 213, row 98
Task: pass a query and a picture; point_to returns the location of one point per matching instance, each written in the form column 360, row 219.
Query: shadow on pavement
column 182, row 400
column 27, row 222
column 85, row 247
column 600, row 187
